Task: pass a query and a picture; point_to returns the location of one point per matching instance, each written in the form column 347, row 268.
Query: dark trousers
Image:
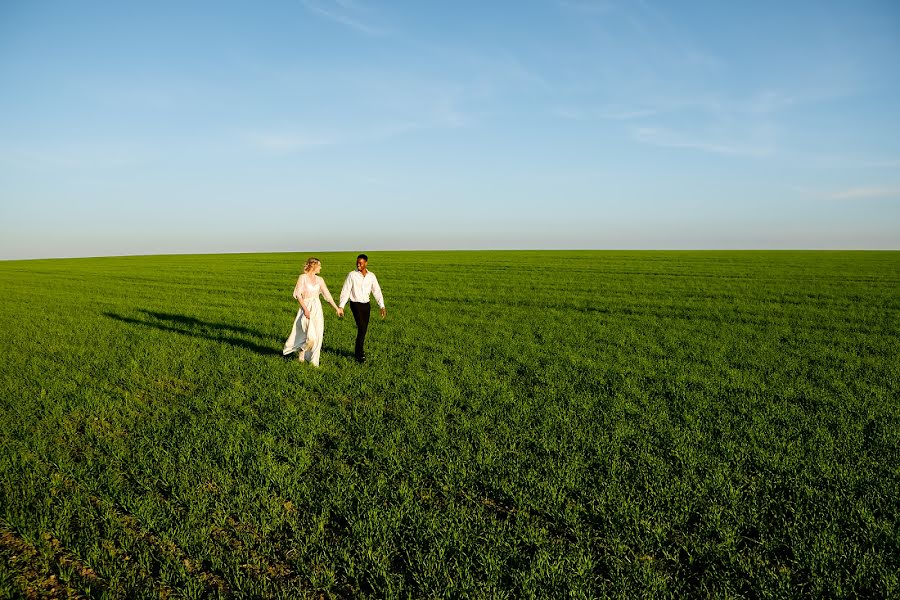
column 361, row 311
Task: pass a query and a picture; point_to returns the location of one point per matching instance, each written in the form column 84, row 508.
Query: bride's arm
column 298, row 294
column 327, row 295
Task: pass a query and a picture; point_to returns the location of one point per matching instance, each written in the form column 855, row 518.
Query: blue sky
column 315, row 125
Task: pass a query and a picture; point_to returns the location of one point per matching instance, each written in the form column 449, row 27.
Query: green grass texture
column 530, row 424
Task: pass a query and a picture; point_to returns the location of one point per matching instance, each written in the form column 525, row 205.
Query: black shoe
column 361, row 359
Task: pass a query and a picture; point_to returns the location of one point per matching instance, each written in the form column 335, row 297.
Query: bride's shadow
column 191, row 326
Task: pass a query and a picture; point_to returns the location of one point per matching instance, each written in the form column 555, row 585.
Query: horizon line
column 341, row 251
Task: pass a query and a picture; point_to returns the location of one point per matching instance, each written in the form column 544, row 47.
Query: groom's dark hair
column 363, row 256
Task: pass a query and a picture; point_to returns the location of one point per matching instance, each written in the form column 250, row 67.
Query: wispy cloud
column 508, row 70
column 591, row 7
column 886, row 163
column 579, row 114
column 866, row 193
column 840, row 161
column 65, row 155
column 628, row 115
column 659, row 73
column 287, row 142
column 346, row 13
column 670, row 139
column 367, row 105
column 850, row 194
column 767, row 101
column 396, row 102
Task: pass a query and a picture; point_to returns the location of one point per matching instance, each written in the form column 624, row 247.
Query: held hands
column 339, row 311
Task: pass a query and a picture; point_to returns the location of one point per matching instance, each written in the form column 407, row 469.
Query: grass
column 529, row 424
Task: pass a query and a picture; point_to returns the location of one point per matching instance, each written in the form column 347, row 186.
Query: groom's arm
column 345, row 291
column 376, row 291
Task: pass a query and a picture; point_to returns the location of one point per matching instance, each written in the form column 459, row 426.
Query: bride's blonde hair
column 311, row 262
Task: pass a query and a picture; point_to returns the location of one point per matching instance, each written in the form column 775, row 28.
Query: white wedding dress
column 306, row 335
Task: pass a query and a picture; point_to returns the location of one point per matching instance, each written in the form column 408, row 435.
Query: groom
column 357, row 287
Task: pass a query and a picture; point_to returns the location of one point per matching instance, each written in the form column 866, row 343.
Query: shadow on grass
column 216, row 332
column 326, row 349
column 183, row 321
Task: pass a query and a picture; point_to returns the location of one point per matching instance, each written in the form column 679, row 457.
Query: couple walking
column 309, row 326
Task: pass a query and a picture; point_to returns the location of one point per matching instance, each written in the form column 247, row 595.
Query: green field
column 529, row 424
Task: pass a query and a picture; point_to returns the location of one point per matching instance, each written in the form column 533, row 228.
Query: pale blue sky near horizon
column 319, row 125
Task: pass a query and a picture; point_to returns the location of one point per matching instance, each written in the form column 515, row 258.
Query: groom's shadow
column 191, row 326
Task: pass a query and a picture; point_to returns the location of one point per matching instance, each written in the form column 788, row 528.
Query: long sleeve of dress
column 326, row 293
column 345, row 291
column 376, row 291
column 297, row 288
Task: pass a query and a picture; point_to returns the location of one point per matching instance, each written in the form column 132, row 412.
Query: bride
column 309, row 326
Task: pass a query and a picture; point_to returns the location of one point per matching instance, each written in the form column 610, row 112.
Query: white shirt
column 357, row 288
